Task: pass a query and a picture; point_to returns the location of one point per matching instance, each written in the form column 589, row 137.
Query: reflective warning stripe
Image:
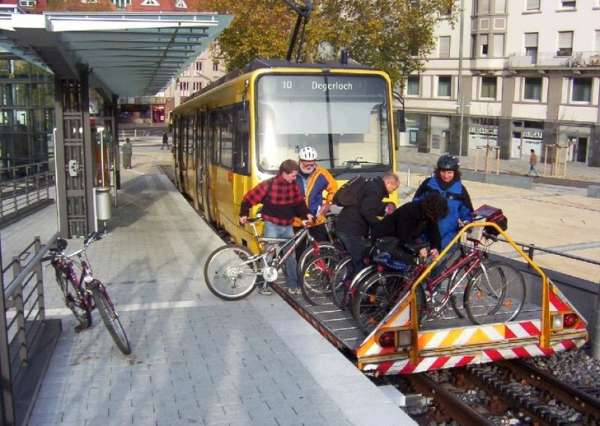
column 404, row 366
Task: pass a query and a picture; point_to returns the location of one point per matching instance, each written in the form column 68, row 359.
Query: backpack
column 348, row 195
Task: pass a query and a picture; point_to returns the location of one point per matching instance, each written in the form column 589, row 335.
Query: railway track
column 508, row 392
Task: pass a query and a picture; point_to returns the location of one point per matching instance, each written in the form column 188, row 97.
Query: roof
column 128, row 54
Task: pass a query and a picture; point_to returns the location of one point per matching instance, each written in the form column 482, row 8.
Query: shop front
column 526, row 135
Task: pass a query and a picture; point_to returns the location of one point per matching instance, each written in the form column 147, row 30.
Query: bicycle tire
column 73, row 297
column 325, row 248
column 341, row 281
column 374, row 299
column 110, row 318
column 222, row 264
column 315, row 280
column 492, row 292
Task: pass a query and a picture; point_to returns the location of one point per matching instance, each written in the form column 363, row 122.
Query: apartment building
column 527, row 77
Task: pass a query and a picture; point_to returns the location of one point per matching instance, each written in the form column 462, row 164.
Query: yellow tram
column 235, row 132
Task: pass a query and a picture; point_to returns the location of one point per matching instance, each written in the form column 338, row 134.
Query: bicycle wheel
column 228, row 274
column 316, row 279
column 340, row 282
column 374, row 299
column 325, row 249
column 110, row 318
column 74, row 300
column 495, row 293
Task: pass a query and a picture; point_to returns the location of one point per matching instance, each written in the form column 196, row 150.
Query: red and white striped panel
column 487, row 355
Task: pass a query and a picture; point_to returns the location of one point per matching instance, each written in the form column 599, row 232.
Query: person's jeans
column 279, row 231
column 532, row 170
column 355, row 245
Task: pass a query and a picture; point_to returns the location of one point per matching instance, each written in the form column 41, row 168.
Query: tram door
column 202, row 168
column 178, row 137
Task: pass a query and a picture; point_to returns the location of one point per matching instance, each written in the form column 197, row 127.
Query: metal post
column 7, row 403
column 20, row 312
column 459, row 91
column 39, row 280
column 596, row 335
column 530, row 253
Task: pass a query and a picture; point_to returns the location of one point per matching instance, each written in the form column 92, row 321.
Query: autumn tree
column 393, row 35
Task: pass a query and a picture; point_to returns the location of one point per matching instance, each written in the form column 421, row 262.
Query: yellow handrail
column 545, row 320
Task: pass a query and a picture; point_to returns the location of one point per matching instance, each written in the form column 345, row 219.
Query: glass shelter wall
column 26, row 113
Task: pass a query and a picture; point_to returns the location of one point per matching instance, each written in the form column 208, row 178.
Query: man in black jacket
column 353, row 223
column 411, row 221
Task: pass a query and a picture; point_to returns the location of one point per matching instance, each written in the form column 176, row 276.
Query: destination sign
column 321, row 86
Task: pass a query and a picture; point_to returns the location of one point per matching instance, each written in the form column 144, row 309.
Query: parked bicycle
column 82, row 292
column 489, row 289
column 231, row 272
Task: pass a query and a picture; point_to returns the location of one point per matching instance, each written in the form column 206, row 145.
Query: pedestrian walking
column 165, row 141
column 281, row 201
column 532, row 163
column 127, row 152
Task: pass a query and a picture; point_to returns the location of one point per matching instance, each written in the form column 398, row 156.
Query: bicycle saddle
column 414, row 248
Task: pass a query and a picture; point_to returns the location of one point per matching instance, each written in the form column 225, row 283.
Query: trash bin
column 103, row 204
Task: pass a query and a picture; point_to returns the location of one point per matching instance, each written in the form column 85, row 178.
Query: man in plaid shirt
column 282, row 201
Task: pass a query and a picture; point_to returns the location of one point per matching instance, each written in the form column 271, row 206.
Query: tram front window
column 344, row 118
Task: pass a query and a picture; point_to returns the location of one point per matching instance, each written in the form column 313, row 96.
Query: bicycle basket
column 492, row 214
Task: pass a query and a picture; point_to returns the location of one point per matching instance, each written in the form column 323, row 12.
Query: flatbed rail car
column 400, row 345
column 234, row 133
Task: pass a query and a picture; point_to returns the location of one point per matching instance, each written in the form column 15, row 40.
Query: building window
column 532, row 4
column 568, row 4
column 488, row 87
column 27, row 3
column 499, row 6
column 582, row 90
column 533, row 89
column 498, row 45
column 198, row 66
column 531, row 46
column 445, row 85
column 444, row 47
column 412, row 86
column 216, row 66
column 483, row 45
column 181, row 4
column 483, row 7
column 473, row 45
column 121, row 4
column 565, row 43
column 597, row 45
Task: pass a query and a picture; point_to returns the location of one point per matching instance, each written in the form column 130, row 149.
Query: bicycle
column 491, row 289
column 231, row 271
column 82, row 292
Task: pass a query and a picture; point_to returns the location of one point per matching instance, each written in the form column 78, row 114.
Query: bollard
column 596, row 333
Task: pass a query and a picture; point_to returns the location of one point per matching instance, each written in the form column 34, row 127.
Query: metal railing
column 22, row 315
column 23, row 186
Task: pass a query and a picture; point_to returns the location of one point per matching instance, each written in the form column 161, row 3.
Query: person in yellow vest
column 313, row 181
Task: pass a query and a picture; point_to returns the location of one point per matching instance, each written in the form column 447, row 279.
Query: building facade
column 527, row 77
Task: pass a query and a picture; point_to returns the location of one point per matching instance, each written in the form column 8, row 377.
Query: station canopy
column 128, row 54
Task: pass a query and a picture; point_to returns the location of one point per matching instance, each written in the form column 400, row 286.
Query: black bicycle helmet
column 448, row 162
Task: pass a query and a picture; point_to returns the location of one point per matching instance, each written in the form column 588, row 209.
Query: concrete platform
column 196, row 359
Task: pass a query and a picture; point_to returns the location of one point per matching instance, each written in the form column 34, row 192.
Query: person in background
column 533, row 160
column 165, row 141
column 353, row 224
column 446, row 181
column 127, row 152
column 313, row 180
column 281, row 201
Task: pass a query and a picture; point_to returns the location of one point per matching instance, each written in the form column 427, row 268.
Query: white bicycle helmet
column 307, row 153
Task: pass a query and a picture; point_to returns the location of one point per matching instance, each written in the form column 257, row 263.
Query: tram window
column 343, row 117
column 215, row 138
column 240, row 150
column 226, row 128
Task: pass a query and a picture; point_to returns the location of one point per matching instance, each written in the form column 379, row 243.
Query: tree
column 393, row 35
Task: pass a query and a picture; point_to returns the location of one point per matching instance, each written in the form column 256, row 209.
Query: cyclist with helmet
column 446, row 181
column 313, row 181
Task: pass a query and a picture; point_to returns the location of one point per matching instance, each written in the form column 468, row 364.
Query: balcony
column 553, row 60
